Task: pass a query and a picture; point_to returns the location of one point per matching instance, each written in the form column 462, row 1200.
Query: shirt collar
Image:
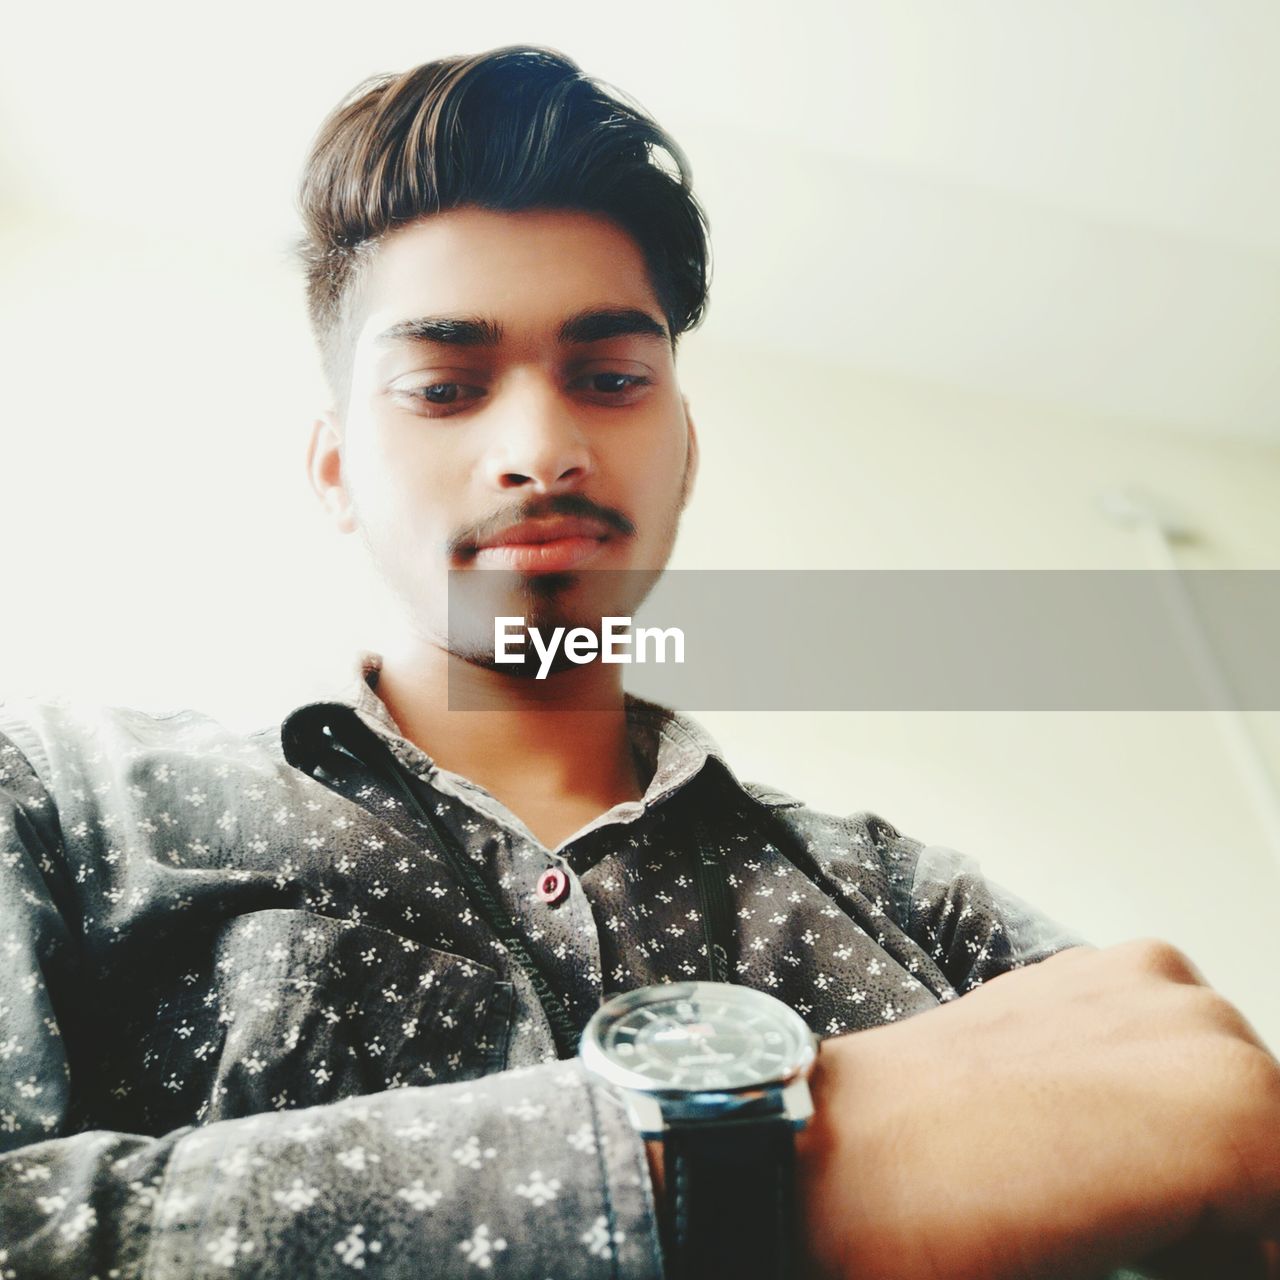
column 672, row 745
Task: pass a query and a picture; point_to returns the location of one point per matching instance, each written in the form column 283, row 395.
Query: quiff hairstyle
column 515, row 128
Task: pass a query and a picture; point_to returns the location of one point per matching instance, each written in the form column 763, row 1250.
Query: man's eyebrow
column 610, row 322
column 450, row 331
column 593, row 325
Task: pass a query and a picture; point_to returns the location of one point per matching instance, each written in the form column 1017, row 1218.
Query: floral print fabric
column 250, row 1023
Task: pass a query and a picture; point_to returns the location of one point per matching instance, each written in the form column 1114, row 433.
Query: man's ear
column 691, row 466
column 324, row 470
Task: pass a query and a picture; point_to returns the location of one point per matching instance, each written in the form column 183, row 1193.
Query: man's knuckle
column 1262, row 1078
column 1161, row 958
column 1212, row 1009
column 1248, row 1080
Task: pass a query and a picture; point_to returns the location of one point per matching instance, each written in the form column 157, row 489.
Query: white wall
column 1120, row 824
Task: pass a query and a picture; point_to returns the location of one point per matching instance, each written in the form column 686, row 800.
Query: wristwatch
column 719, row 1073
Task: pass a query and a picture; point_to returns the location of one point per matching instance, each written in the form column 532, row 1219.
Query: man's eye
column 440, row 392
column 615, row 384
column 614, row 388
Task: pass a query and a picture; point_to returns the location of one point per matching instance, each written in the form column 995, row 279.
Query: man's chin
column 528, row 667
column 484, row 603
column 563, row 598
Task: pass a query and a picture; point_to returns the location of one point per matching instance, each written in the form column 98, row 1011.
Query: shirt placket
column 560, row 935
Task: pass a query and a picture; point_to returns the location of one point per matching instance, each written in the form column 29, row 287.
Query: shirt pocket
column 298, row 1009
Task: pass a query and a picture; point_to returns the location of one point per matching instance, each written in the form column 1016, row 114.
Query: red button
column 553, row 884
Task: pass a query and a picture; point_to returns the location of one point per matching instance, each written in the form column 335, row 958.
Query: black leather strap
column 731, row 1201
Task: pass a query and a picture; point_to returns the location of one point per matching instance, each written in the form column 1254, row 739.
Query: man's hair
column 515, row 128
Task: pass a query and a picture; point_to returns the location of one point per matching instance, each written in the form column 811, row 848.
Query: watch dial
column 706, row 1036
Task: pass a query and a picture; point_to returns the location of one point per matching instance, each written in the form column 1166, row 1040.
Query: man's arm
column 424, row 1181
column 1101, row 1106
column 973, row 928
column 533, row 1167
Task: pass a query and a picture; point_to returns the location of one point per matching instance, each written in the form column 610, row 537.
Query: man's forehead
column 479, row 278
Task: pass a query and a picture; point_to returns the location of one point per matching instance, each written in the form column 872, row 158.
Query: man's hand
column 1096, row 1108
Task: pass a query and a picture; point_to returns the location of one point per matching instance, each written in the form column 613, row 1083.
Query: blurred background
column 982, row 271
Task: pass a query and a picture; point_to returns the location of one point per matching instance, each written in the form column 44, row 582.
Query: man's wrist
column 815, row 1150
column 656, row 1154
column 657, row 1170
column 846, row 1135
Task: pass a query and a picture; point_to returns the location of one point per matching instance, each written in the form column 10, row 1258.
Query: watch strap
column 731, row 1200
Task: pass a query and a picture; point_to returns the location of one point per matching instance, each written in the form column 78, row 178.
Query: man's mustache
column 557, row 504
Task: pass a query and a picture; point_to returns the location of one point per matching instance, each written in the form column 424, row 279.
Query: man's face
column 509, row 367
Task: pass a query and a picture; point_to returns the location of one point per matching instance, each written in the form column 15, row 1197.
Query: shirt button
column 553, row 884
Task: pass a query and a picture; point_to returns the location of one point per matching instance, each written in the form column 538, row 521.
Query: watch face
column 696, row 1036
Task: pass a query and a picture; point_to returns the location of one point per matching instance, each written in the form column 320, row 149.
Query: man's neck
column 556, row 752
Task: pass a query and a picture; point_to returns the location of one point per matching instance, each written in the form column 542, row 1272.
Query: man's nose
column 538, row 443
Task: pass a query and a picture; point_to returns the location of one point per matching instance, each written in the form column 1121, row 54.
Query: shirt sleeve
column 523, row 1173
column 970, row 926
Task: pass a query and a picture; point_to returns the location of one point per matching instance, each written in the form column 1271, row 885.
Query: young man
column 309, row 1000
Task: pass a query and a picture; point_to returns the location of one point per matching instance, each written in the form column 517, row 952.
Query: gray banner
column 925, row 640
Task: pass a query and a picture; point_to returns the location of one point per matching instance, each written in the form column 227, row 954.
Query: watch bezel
column 730, row 1098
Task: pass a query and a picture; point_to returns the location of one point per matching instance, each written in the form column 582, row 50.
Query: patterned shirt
column 251, row 1024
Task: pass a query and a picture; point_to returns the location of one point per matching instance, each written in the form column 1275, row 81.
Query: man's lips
column 554, row 543
column 547, row 529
